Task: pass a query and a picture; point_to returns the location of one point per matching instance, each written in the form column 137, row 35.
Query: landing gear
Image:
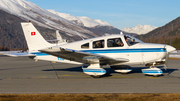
column 154, row 71
column 94, row 70
column 123, row 69
column 95, row 76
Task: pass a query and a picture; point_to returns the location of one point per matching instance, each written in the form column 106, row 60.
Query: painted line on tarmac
column 110, row 76
column 82, row 75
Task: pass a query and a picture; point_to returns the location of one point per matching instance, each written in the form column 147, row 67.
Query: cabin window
column 86, row 45
column 131, row 40
column 115, row 42
column 98, row 44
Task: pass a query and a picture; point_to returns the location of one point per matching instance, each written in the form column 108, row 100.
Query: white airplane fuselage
column 140, row 53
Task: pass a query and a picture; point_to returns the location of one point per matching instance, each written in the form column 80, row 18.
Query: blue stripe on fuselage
column 126, row 50
column 113, row 51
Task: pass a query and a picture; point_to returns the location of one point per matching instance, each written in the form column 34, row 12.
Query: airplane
column 59, row 39
column 114, row 50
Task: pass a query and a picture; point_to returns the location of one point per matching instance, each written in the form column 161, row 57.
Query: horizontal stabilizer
column 20, row 54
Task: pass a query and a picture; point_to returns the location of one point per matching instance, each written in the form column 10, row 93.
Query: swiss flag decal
column 33, row 33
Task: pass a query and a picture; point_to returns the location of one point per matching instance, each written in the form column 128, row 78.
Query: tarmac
column 23, row 75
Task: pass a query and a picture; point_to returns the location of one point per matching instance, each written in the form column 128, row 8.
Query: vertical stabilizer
column 34, row 39
column 58, row 36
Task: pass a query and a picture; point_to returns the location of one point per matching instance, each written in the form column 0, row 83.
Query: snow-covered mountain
column 41, row 17
column 28, row 10
column 82, row 21
column 13, row 12
column 139, row 29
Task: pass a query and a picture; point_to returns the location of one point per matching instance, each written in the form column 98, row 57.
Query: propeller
column 168, row 50
column 166, row 61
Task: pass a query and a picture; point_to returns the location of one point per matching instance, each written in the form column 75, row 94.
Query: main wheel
column 95, row 76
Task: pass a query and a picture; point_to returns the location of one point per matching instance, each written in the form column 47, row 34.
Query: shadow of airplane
column 72, row 69
column 109, row 71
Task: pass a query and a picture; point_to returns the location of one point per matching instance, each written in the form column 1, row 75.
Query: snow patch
column 139, row 29
column 82, row 21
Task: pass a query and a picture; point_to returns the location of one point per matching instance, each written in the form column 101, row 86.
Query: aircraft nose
column 170, row 48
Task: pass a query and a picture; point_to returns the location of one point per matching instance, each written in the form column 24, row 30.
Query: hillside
column 167, row 34
column 11, row 34
column 13, row 12
column 101, row 30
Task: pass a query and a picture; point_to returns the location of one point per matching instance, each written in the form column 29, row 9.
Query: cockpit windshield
column 132, row 40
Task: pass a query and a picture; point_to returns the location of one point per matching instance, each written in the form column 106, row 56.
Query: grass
column 90, row 97
column 174, row 58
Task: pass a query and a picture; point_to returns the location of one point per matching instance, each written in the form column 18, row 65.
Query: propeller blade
column 167, row 58
column 168, row 50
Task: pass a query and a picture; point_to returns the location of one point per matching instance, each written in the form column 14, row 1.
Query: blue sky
column 119, row 13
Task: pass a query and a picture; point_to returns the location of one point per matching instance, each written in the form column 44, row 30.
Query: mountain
column 41, row 17
column 11, row 34
column 139, row 29
column 102, row 30
column 13, row 12
column 82, row 21
column 167, row 34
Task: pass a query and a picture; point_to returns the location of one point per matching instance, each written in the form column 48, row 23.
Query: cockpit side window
column 115, row 42
column 98, row 44
column 131, row 40
column 86, row 45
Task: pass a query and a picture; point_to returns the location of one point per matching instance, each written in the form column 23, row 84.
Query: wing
column 19, row 54
column 83, row 57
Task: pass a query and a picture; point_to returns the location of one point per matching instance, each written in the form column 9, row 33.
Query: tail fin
column 34, row 39
column 58, row 36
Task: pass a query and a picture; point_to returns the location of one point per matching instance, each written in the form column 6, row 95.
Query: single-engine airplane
column 113, row 50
